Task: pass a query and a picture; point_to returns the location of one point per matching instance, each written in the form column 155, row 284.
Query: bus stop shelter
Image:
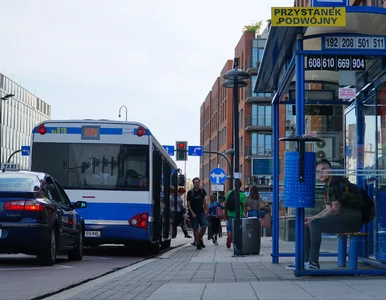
column 332, row 80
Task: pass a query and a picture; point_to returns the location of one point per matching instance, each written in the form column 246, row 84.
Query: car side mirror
column 80, row 204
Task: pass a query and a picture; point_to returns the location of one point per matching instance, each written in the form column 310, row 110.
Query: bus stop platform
column 213, row 273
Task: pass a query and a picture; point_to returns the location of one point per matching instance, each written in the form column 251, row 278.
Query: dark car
column 37, row 217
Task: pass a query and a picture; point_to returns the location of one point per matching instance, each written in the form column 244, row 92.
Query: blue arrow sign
column 195, row 150
column 217, row 176
column 25, row 150
column 169, row 149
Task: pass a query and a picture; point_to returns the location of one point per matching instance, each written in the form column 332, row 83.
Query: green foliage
column 254, row 27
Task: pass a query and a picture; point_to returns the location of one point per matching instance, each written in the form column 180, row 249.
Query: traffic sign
column 25, row 150
column 195, row 150
column 217, row 187
column 308, row 16
column 169, row 149
column 217, row 176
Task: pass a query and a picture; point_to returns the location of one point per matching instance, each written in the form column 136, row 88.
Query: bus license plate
column 93, row 234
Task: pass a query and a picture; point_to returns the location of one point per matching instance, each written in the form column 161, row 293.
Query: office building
column 20, row 111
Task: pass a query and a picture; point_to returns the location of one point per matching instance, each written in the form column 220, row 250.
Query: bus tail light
column 140, row 131
column 42, row 129
column 139, row 220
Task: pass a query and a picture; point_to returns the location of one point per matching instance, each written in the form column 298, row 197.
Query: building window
column 257, row 52
column 264, row 95
column 261, row 144
column 253, row 83
column 377, row 3
column 261, row 115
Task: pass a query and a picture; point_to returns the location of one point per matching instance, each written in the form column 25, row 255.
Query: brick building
column 255, row 121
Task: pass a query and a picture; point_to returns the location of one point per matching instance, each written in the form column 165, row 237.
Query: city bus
column 120, row 169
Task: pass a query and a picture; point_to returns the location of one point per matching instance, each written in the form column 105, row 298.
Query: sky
column 86, row 58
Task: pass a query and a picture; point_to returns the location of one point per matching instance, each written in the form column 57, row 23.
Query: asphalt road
column 21, row 276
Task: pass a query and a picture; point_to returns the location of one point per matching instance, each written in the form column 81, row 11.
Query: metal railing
column 259, row 96
column 256, row 180
column 257, row 151
column 260, row 120
column 250, row 64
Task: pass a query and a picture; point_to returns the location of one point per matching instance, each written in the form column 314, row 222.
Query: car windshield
column 19, row 182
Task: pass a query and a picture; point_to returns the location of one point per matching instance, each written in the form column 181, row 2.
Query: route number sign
column 354, row 42
column 335, row 63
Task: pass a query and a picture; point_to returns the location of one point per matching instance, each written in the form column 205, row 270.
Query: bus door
column 157, row 190
column 167, row 213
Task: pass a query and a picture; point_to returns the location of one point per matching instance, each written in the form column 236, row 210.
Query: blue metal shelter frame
column 285, row 48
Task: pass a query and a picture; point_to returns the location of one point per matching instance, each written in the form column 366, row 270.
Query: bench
column 355, row 240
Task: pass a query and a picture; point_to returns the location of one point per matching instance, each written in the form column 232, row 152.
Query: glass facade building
column 18, row 116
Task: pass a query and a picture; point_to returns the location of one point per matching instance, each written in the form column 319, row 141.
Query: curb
column 171, row 252
column 77, row 288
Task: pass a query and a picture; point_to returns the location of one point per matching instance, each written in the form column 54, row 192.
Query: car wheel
column 77, row 252
column 47, row 256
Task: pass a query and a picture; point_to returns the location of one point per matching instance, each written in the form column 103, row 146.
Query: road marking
column 36, row 268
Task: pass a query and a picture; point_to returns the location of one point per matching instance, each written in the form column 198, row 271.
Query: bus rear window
column 94, row 166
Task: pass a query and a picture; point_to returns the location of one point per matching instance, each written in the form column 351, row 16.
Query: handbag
column 220, row 213
column 183, row 210
column 266, row 221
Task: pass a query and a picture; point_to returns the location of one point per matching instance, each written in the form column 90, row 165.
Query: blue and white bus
column 119, row 168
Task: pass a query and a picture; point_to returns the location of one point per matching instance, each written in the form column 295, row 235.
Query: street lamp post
column 234, row 79
column 231, row 153
column 4, row 98
column 119, row 114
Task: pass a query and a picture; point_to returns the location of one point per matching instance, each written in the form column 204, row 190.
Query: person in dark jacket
column 215, row 222
column 340, row 215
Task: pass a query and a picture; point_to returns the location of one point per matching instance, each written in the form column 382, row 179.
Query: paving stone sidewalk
column 213, row 273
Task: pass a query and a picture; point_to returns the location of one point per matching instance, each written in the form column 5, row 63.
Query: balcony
column 258, row 123
column 253, row 152
column 252, row 67
column 251, row 97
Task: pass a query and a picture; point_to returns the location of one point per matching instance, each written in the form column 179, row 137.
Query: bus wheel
column 166, row 244
column 154, row 248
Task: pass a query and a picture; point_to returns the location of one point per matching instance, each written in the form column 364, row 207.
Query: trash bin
column 251, row 235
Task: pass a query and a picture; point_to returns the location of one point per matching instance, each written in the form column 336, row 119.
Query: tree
column 254, row 27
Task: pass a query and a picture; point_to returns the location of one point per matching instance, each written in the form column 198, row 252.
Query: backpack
column 231, row 203
column 353, row 196
column 368, row 208
column 201, row 192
